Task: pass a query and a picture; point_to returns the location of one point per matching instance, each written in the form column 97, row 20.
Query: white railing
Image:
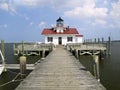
column 2, row 67
column 3, row 59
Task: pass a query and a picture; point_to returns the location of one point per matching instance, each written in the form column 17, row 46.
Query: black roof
column 59, row 19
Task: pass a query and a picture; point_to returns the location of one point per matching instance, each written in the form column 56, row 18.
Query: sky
column 25, row 19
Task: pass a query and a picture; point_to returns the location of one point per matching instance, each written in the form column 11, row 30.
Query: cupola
column 59, row 22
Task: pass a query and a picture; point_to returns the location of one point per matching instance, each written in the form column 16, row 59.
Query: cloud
column 4, row 6
column 86, row 12
column 31, row 3
column 8, row 7
column 115, row 12
column 101, row 21
column 78, row 7
column 31, row 23
column 115, row 15
column 53, row 3
column 27, row 18
column 42, row 24
column 4, row 26
column 105, row 2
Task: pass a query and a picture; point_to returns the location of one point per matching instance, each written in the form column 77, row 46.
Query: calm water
column 109, row 67
column 10, row 74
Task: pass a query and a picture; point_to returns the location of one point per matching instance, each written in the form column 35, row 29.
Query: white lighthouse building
column 61, row 35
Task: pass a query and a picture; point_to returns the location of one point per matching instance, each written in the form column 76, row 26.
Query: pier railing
column 86, row 46
column 31, row 48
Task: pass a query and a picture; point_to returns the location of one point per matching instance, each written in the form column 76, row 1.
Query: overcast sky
column 25, row 19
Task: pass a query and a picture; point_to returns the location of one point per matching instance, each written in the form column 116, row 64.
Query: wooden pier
column 60, row 70
column 89, row 49
column 32, row 49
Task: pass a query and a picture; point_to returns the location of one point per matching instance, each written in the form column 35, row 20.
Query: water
column 10, row 74
column 109, row 67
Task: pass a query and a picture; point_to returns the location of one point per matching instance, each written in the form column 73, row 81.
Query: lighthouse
column 61, row 34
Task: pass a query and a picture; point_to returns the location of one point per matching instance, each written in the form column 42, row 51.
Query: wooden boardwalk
column 60, row 71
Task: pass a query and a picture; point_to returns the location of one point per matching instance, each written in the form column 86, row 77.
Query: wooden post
column 39, row 53
column 102, row 40
column 43, row 54
column 76, row 53
column 101, row 55
column 99, row 42
column 52, row 47
column 22, row 47
column 95, row 40
column 14, row 49
column 70, row 49
column 23, row 66
column 109, row 45
column 96, row 67
column 84, row 40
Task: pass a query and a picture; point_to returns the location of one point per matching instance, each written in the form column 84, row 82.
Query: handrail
column 3, row 59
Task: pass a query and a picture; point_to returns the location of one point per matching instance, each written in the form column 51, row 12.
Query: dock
column 32, row 49
column 60, row 70
column 87, row 49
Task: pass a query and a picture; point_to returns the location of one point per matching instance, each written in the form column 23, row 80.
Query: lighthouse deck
column 60, row 70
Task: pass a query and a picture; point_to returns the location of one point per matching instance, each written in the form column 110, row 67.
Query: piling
column 14, row 48
column 95, row 40
column 43, row 54
column 22, row 47
column 84, row 40
column 23, row 66
column 98, row 40
column 109, row 46
column 71, row 49
column 101, row 55
column 102, row 40
column 76, row 53
column 96, row 67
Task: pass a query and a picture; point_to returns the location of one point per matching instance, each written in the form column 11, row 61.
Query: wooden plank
column 60, row 71
column 17, row 66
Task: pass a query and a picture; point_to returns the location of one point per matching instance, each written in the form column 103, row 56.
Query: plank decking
column 60, row 71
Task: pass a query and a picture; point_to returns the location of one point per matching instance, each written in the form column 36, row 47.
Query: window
column 69, row 39
column 50, row 39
